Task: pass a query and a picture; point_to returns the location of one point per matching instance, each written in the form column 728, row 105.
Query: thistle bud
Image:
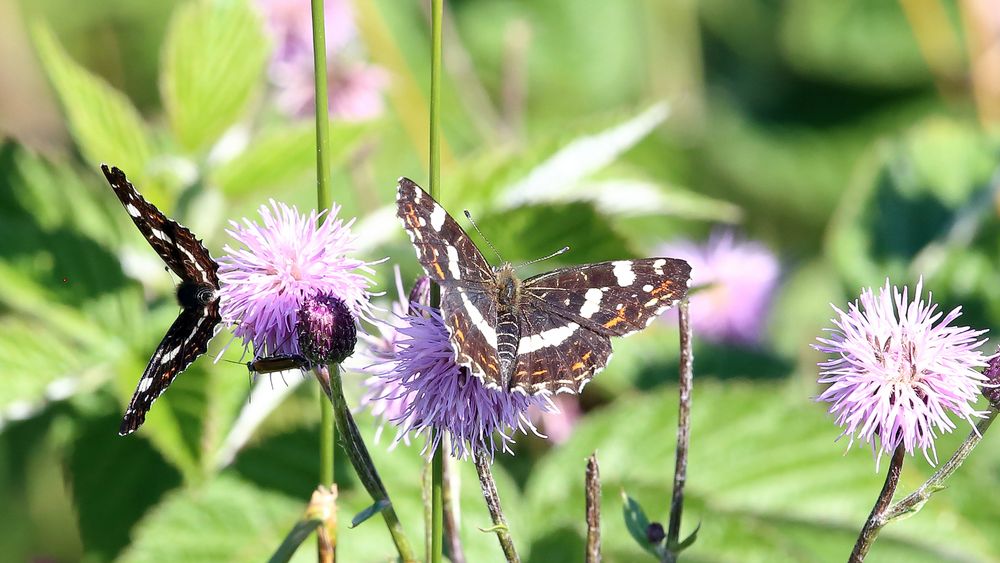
column 992, row 372
column 655, row 533
column 326, row 330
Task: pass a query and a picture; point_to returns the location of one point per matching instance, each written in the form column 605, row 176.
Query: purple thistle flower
column 282, row 263
column 898, row 369
column 355, row 87
column 739, row 279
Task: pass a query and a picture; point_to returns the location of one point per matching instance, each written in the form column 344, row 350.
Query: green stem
column 361, row 460
column 434, row 165
column 322, row 107
column 327, row 425
column 437, row 504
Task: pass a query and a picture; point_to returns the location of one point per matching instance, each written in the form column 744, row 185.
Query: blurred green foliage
column 816, row 127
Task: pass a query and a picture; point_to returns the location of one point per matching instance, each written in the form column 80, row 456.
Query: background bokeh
column 839, row 142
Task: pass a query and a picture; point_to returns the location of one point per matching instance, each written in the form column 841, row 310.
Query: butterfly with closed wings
column 547, row 334
column 198, row 295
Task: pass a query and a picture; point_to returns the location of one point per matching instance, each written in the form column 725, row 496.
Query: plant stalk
column 493, row 504
column 869, row 532
column 357, row 452
column 593, row 490
column 685, row 385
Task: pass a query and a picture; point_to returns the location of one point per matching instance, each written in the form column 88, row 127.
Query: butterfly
column 198, row 295
column 548, row 333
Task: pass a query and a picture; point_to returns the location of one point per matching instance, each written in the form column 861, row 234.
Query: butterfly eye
column 206, row 295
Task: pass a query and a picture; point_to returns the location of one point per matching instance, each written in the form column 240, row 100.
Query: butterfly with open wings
column 198, row 295
column 549, row 333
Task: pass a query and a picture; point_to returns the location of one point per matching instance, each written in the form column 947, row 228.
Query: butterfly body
column 197, row 294
column 548, row 333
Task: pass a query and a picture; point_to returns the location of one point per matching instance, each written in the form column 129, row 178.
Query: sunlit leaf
column 213, row 62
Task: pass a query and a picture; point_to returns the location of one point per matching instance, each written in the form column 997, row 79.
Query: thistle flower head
column 282, row 263
column 739, row 278
column 898, row 367
column 326, row 330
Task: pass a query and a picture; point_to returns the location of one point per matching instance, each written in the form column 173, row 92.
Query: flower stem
column 493, row 504
column 434, row 158
column 434, row 166
column 916, row 499
column 437, row 506
column 322, row 106
column 449, row 485
column 327, row 549
column 593, row 486
column 869, row 532
column 357, row 452
column 685, row 384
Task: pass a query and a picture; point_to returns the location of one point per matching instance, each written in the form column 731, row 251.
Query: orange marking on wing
column 437, row 267
column 459, row 334
column 619, row 318
column 666, row 285
column 587, row 356
column 578, row 365
column 539, row 372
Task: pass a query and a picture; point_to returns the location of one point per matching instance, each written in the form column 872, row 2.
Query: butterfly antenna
column 493, row 248
column 553, row 255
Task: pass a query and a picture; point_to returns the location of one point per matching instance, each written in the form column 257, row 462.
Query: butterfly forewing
column 613, row 298
column 189, row 335
column 180, row 250
column 443, row 248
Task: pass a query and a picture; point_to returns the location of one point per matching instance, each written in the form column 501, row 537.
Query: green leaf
column 213, row 60
column 294, row 539
column 226, row 519
column 530, row 232
column 103, row 122
column 765, row 479
column 369, row 512
column 284, row 156
column 105, row 513
column 636, row 522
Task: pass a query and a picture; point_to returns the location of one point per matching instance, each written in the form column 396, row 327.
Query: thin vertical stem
column 357, row 452
column 449, row 482
column 875, row 520
column 434, row 165
column 327, row 546
column 593, row 489
column 685, row 384
column 434, row 159
column 493, row 504
column 437, row 503
column 322, row 106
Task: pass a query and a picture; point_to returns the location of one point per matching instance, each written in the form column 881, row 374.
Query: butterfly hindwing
column 465, row 313
column 443, row 248
column 557, row 354
column 185, row 340
column 189, row 335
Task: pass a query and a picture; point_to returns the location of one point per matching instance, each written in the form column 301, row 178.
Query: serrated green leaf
column 280, row 157
column 636, row 522
column 105, row 513
column 213, row 60
column 226, row 519
column 765, row 479
column 103, row 122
